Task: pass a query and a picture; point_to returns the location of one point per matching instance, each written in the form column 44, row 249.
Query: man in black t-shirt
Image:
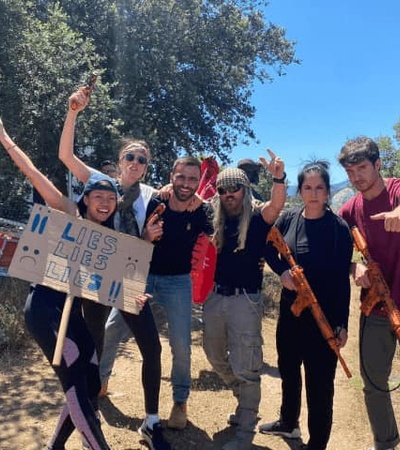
column 169, row 280
column 233, row 312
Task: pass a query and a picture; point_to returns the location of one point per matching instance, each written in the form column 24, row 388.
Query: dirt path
column 30, row 400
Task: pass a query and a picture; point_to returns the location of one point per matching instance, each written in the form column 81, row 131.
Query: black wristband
column 280, row 180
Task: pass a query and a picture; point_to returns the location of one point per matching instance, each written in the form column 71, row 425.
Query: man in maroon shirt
column 375, row 211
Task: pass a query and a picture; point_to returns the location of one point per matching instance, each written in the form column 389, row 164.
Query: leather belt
column 230, row 290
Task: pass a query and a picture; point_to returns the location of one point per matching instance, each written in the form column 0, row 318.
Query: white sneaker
column 278, row 428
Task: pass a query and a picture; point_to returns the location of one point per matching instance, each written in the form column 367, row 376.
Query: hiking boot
column 278, row 428
column 154, row 438
column 178, row 417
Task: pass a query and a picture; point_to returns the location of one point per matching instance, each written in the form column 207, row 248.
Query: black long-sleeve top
column 323, row 248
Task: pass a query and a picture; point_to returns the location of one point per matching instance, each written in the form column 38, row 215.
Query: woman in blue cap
column 78, row 371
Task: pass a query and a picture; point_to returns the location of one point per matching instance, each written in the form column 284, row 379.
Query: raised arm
column 271, row 209
column 51, row 195
column 81, row 171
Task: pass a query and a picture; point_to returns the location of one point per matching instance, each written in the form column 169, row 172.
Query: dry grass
column 13, row 335
column 31, row 398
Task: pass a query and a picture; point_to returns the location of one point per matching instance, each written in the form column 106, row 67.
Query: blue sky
column 347, row 84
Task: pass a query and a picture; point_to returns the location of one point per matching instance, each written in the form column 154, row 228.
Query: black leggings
column 78, row 371
column 96, row 315
column 299, row 341
column 144, row 330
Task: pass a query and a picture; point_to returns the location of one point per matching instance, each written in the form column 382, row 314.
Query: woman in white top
column 133, row 159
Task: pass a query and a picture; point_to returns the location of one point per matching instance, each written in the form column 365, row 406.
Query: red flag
column 209, row 171
column 204, row 256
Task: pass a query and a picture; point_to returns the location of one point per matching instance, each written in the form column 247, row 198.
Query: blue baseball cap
column 100, row 185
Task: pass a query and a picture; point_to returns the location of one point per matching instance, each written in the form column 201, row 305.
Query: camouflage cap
column 231, row 177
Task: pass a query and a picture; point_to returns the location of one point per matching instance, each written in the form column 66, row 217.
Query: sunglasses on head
column 131, row 157
column 230, row 189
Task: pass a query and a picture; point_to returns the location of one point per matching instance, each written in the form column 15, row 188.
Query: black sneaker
column 278, row 428
column 154, row 437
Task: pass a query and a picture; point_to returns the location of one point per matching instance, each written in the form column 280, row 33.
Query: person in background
column 375, row 211
column 78, row 371
column 321, row 244
column 109, row 168
column 133, row 158
column 232, row 313
column 252, row 170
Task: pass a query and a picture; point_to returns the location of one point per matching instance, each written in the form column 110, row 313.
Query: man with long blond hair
column 233, row 312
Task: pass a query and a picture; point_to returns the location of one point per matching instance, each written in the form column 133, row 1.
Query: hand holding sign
column 82, row 259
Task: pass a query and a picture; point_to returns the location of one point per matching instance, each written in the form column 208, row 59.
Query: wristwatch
column 280, row 180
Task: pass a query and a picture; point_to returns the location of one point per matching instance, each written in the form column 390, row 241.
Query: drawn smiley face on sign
column 29, row 256
column 130, row 266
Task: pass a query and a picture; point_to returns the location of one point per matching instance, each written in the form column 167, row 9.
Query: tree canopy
column 179, row 74
column 389, row 149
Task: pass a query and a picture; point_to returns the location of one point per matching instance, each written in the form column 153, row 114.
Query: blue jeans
column 174, row 294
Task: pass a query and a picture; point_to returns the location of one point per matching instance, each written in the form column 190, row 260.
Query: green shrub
column 271, row 290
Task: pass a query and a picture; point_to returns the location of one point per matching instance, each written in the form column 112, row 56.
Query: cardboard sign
column 81, row 258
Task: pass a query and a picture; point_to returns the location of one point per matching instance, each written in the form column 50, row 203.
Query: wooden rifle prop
column 379, row 292
column 88, row 88
column 155, row 216
column 305, row 296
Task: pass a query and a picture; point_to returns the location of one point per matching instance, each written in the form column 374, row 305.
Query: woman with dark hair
column 78, row 371
column 321, row 244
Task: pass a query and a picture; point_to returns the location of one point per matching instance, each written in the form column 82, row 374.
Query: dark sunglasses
column 131, row 157
column 229, row 190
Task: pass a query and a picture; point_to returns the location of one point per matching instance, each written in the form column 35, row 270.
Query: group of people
column 237, row 223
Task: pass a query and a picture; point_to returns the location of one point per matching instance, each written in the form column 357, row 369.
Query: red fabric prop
column 8, row 245
column 204, row 256
column 204, row 259
column 209, row 171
